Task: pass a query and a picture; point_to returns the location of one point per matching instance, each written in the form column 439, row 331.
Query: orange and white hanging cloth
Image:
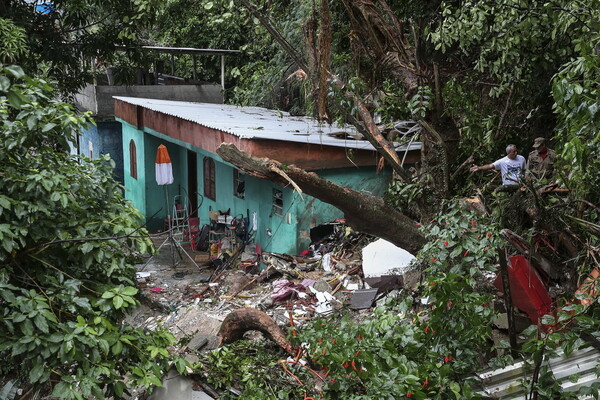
column 163, row 167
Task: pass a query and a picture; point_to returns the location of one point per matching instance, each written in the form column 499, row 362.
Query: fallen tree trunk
column 243, row 320
column 364, row 213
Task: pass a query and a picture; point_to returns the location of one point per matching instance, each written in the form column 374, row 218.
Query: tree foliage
column 70, row 38
column 67, row 243
column 530, row 53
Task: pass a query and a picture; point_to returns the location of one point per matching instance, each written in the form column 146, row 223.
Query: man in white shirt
column 511, row 167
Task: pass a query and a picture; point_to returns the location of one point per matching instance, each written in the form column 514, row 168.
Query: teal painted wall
column 258, row 199
column 289, row 233
column 312, row 212
column 134, row 188
column 156, row 198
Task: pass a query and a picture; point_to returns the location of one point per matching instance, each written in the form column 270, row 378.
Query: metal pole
column 512, row 335
column 223, row 72
column 194, row 66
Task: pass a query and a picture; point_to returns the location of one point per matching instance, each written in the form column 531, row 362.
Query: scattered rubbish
column 326, row 262
column 178, row 387
column 179, row 275
column 247, row 289
column 308, row 282
column 362, row 299
column 202, row 258
column 321, row 286
column 325, row 301
column 474, row 204
column 386, row 282
column 282, row 289
column 142, row 275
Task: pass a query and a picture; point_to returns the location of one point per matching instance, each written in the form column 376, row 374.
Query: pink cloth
column 282, row 289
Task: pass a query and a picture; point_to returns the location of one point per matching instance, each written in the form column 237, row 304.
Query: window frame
column 133, row 159
column 239, row 178
column 209, row 175
column 277, row 209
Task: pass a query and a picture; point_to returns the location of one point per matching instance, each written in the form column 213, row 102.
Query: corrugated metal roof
column 507, row 383
column 259, row 123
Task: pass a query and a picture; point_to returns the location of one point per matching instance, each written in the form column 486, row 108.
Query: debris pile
column 339, row 269
column 244, row 292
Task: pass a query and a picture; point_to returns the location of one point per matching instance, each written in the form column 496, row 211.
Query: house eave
column 308, row 156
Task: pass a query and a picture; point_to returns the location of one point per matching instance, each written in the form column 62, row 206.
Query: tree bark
column 243, row 320
column 381, row 35
column 364, row 213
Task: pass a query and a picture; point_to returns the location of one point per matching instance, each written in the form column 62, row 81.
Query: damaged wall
column 313, row 212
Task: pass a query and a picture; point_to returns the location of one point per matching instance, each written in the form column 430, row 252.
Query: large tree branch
column 369, row 129
column 363, row 212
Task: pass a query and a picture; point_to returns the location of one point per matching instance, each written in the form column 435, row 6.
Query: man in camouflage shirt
column 541, row 160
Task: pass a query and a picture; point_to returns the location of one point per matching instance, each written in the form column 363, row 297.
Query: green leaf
column 87, row 247
column 119, row 388
column 36, row 373
column 49, row 126
column 117, row 348
column 62, row 390
column 104, row 346
column 16, row 71
column 41, row 323
column 118, row 302
column 16, row 99
column 4, row 83
column 18, row 317
column 108, row 295
column 82, row 302
column 19, row 348
column 129, row 291
column 548, row 319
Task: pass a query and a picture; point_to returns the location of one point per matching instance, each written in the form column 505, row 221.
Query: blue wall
column 105, row 138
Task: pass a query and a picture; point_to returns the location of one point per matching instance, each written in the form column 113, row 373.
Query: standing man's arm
column 475, row 168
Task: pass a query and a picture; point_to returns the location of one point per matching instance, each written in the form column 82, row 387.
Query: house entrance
column 193, row 182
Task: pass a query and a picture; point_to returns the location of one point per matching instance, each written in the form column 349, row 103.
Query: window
column 209, row 178
column 239, row 184
column 132, row 159
column 277, row 202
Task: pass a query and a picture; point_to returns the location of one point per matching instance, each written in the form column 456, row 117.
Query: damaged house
column 278, row 218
